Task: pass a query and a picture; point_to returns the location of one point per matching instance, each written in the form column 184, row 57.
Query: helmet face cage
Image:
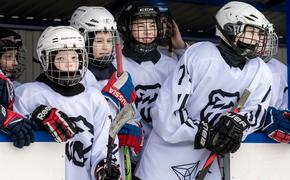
column 144, row 30
column 100, row 46
column 271, row 48
column 12, row 58
column 140, row 24
column 66, row 66
column 250, row 40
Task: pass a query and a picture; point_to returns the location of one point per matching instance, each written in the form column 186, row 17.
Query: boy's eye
column 99, row 41
column 59, row 58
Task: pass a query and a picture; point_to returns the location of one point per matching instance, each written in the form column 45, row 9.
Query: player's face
column 67, row 61
column 144, row 30
column 250, row 36
column 103, row 44
column 8, row 61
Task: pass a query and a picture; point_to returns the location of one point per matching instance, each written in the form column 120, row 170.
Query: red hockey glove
column 57, row 123
column 18, row 128
column 120, row 90
column 132, row 135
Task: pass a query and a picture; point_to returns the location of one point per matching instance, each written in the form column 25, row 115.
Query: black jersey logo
column 186, row 171
column 75, row 149
column 219, row 102
column 146, row 97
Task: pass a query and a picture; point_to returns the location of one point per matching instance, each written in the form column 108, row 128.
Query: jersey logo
column 146, row 97
column 186, row 171
column 75, row 150
column 219, row 102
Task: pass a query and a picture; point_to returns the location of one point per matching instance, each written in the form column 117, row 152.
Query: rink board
column 260, row 158
column 42, row 160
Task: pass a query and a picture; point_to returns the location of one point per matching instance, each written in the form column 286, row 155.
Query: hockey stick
column 253, row 85
column 126, row 114
column 213, row 155
column 125, row 150
column 119, row 55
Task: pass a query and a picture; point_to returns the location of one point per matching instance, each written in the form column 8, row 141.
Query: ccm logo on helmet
column 146, row 9
column 43, row 113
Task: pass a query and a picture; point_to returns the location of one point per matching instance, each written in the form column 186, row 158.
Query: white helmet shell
column 62, row 38
column 93, row 18
column 57, row 38
column 236, row 12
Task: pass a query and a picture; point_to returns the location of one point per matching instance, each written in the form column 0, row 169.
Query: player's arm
column 255, row 110
column 171, row 119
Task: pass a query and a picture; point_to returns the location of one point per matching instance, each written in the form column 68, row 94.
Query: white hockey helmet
column 232, row 20
column 61, row 38
column 93, row 18
column 90, row 20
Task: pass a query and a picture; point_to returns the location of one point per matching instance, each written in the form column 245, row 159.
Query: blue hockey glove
column 132, row 135
column 18, row 128
column 120, row 90
column 277, row 125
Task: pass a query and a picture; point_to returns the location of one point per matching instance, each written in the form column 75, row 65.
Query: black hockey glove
column 100, row 173
column 18, row 128
column 57, row 123
column 224, row 137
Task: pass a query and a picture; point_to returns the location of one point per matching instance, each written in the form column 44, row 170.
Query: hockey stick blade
column 212, row 155
column 126, row 114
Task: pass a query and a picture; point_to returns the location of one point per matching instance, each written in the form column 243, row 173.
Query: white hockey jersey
column 202, row 87
column 148, row 78
column 91, row 113
column 90, row 80
column 279, row 97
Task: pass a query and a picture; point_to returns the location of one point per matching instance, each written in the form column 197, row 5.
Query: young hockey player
column 18, row 128
column 12, row 55
column 139, row 23
column 62, row 55
column 193, row 112
column 99, row 29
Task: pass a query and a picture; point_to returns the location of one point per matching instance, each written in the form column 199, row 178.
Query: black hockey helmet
column 10, row 40
column 134, row 11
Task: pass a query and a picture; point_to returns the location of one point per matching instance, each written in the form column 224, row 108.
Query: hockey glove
column 100, row 173
column 57, row 123
column 120, row 90
column 132, row 135
column 18, row 128
column 224, row 137
column 277, row 125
